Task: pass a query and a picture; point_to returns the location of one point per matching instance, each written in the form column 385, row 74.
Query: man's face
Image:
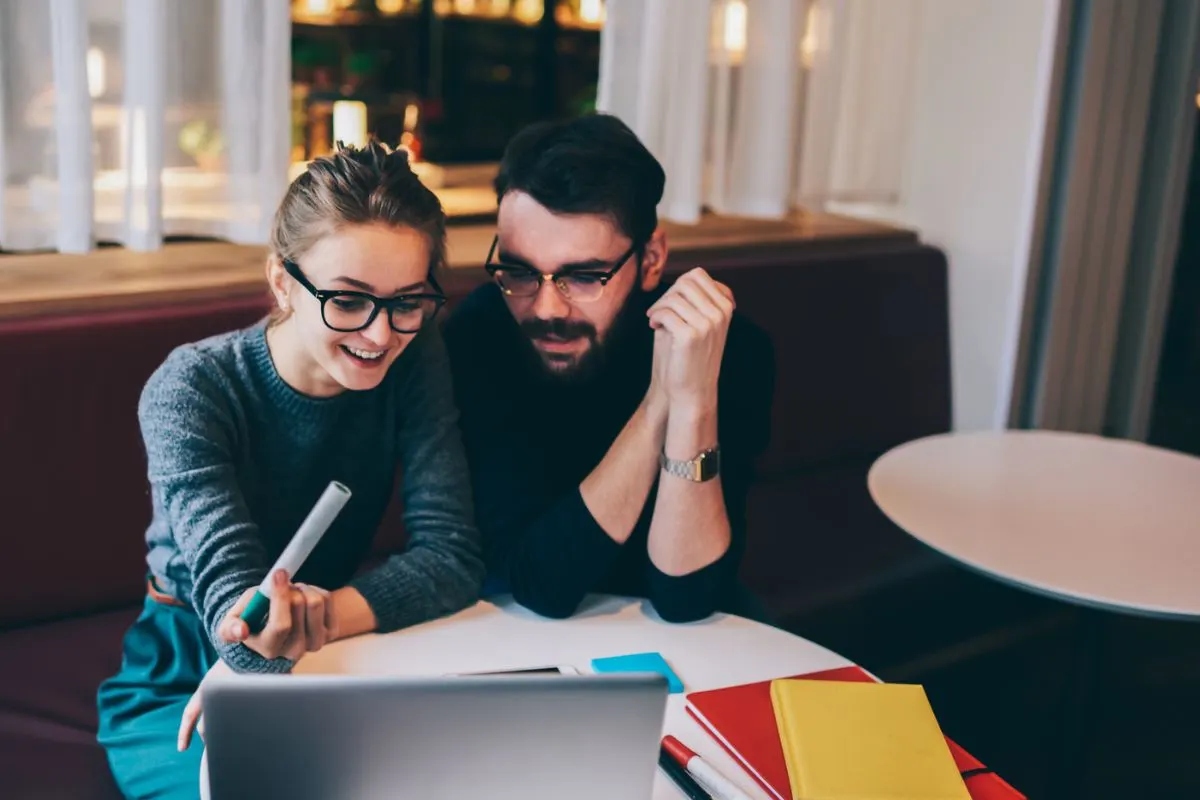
column 567, row 332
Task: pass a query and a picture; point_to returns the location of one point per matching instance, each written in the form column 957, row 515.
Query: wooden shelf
column 116, row 278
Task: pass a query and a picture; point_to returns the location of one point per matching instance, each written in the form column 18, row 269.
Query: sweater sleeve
column 552, row 561
column 696, row 595
column 540, row 542
column 189, row 430
column 441, row 569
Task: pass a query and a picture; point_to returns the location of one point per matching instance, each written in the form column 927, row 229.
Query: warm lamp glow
column 528, row 11
column 464, row 6
column 318, row 8
column 95, row 72
column 410, row 143
column 810, row 45
column 591, row 11
column 735, row 28
column 350, row 122
column 389, row 6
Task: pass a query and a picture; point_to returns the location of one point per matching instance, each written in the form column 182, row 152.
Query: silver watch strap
column 703, row 467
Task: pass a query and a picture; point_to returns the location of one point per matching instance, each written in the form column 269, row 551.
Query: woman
column 346, row 379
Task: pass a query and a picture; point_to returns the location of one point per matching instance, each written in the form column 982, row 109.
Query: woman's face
column 381, row 260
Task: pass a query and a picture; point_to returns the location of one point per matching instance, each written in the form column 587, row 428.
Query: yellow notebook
column 863, row 741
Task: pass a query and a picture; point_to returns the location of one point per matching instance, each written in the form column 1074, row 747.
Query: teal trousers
column 166, row 654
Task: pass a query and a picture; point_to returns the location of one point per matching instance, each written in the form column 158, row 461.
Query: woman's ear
column 280, row 283
column 654, row 258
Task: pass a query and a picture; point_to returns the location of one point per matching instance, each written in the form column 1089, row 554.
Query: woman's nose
column 379, row 332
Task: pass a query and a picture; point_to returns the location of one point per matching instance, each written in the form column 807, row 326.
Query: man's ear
column 654, row 259
column 279, row 282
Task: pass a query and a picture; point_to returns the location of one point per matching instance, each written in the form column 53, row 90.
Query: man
column 610, row 424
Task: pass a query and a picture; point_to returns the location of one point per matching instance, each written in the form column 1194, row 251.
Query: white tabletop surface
column 720, row 651
column 1103, row 522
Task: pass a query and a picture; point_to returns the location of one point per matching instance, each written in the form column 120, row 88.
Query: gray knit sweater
column 237, row 458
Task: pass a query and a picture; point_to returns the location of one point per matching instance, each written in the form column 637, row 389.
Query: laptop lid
column 587, row 737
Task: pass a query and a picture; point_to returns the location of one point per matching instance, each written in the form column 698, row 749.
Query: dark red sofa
column 861, row 340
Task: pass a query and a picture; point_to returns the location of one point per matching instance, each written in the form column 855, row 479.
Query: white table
column 1100, row 522
column 719, row 651
column 1106, row 524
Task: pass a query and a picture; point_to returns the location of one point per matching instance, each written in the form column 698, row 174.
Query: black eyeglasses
column 579, row 285
column 346, row 312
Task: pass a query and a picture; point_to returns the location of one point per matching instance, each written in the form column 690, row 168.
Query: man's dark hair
column 589, row 165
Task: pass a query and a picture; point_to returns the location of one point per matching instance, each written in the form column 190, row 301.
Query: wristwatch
column 703, row 467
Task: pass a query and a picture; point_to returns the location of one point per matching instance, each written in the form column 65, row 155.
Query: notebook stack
column 841, row 734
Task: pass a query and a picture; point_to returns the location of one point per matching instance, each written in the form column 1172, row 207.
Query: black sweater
column 531, row 441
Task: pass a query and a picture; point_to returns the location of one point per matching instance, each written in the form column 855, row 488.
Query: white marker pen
column 716, row 784
column 330, row 504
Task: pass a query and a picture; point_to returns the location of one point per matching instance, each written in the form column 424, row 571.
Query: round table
column 499, row 634
column 1100, row 522
column 1107, row 524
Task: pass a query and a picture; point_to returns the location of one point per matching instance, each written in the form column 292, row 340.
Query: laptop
column 532, row 737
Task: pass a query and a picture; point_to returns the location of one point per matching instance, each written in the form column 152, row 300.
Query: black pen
column 686, row 783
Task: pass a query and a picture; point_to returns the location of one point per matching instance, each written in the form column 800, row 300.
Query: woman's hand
column 301, row 620
column 191, row 712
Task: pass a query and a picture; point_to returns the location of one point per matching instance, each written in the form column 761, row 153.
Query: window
column 451, row 80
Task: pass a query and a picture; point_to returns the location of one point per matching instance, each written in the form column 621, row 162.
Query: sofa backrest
column 862, row 350
column 75, row 495
column 862, row 363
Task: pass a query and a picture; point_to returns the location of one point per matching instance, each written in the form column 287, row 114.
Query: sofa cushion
column 42, row 769
column 49, row 675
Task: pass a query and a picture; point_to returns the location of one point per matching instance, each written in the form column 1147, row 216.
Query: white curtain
column 129, row 120
column 754, row 106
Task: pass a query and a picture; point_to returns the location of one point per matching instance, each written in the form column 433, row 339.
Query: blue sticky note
column 640, row 662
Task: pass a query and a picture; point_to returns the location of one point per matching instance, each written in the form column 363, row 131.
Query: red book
column 742, row 721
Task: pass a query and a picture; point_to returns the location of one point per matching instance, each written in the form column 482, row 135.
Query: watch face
column 704, row 466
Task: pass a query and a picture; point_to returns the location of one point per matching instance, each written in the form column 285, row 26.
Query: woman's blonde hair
column 356, row 186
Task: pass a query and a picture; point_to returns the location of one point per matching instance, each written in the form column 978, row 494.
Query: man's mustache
column 558, row 328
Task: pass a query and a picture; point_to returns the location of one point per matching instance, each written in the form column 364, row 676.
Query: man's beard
column 629, row 319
